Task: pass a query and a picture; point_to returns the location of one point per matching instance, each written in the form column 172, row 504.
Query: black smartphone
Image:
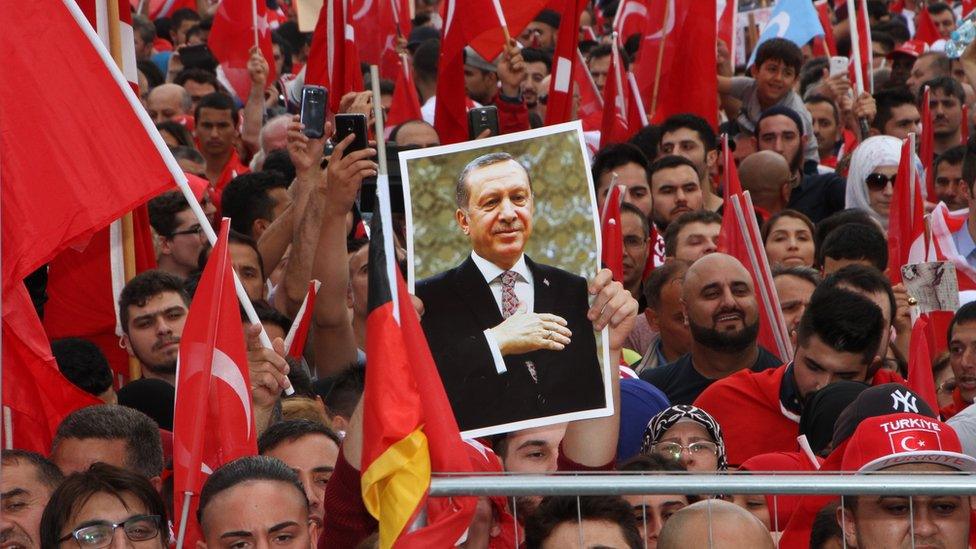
column 314, row 101
column 355, row 124
column 481, row 119
column 197, row 57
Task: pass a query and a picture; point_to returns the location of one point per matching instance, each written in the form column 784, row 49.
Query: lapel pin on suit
column 545, row 281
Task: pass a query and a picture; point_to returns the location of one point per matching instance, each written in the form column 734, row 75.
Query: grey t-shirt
column 744, row 89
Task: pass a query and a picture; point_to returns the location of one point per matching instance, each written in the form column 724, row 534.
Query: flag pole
column 660, row 59
column 383, row 189
column 128, row 228
column 254, row 22
column 184, row 514
column 502, row 22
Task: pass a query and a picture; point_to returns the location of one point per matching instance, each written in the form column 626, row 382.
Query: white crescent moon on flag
column 363, row 10
column 906, row 447
column 668, row 25
column 226, row 370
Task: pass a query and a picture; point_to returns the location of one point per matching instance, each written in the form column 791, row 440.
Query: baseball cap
column 472, row 59
column 880, row 400
column 898, row 439
column 913, row 48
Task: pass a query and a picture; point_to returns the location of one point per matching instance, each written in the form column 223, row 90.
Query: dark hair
column 895, row 27
column 46, row 472
column 535, row 55
column 651, row 462
column 186, row 153
column 634, row 210
column 843, row 217
column 234, row 237
column 198, row 75
column 285, row 46
column 660, row 276
column 242, row 470
column 947, row 85
column 782, row 50
column 142, row 26
column 818, row 98
column 780, row 110
column 615, row 156
column 825, row 527
column 647, row 139
column 669, row 162
column 865, row 279
column 181, row 15
column 606, row 50
column 163, row 210
column 153, row 75
column 953, row 156
column 100, row 478
column 291, row 430
column 425, row 60
column 855, row 241
column 462, row 194
column 885, row 39
column 219, row 101
column 964, row 315
column 692, row 122
column 771, row 222
column 843, row 320
column 887, row 101
column 812, row 73
column 345, row 392
column 143, row 446
column 177, row 130
column 687, row 218
column 803, row 273
column 936, row 8
column 247, row 198
column 267, row 313
column 278, row 162
column 83, row 363
column 143, row 287
column 556, row 510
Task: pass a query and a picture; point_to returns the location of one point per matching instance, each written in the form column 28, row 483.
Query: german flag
column 405, row 436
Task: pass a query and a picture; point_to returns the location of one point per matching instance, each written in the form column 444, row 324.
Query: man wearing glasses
column 180, row 238
column 105, row 506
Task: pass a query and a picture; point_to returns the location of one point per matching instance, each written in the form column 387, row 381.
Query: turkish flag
column 631, row 18
column 490, row 41
column 944, row 224
column 559, row 107
column 590, row 111
column 377, row 23
column 862, row 72
column 232, row 37
column 406, row 102
column 906, row 223
column 298, row 334
column 213, row 422
column 613, row 127
column 333, row 60
column 686, row 83
column 920, row 377
column 727, row 10
column 926, row 146
column 827, row 45
column 612, row 233
column 925, row 29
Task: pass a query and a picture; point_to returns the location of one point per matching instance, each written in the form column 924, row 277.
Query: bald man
column 766, row 175
column 715, row 524
column 168, row 102
column 718, row 301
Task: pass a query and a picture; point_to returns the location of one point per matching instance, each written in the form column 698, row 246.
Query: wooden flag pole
column 128, row 229
column 660, row 59
column 254, row 22
column 502, row 22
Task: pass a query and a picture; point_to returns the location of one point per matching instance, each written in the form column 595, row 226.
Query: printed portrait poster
column 502, row 239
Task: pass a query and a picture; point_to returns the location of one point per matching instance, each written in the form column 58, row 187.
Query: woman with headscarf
column 871, row 177
column 688, row 435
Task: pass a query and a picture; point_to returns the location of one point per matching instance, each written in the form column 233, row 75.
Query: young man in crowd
column 27, row 483
column 692, row 235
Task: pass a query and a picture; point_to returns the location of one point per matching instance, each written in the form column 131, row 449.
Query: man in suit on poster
column 512, row 338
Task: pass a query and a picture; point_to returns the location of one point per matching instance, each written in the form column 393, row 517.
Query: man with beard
column 946, row 98
column 719, row 303
column 780, row 129
column 692, row 137
column 675, row 189
column 152, row 311
column 838, row 339
column 26, row 485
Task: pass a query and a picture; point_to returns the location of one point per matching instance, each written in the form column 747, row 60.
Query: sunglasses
column 879, row 181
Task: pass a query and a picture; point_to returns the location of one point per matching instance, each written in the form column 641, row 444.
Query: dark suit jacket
column 459, row 307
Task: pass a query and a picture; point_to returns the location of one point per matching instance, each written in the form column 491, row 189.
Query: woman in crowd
column 688, row 435
column 788, row 238
column 872, row 177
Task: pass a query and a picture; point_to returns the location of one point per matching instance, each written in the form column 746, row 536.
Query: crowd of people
column 697, row 392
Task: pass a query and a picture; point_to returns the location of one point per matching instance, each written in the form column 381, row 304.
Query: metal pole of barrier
column 616, row 484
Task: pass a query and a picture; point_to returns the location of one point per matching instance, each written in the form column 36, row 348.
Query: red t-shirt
column 232, row 169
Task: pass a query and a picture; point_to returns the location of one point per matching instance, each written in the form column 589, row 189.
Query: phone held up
column 315, row 99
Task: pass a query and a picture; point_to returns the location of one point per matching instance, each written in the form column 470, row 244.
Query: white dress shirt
column 524, row 290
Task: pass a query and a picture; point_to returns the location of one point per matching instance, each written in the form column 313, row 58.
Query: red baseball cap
column 897, row 439
column 913, row 48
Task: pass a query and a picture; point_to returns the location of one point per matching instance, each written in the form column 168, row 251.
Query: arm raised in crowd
column 258, row 69
column 593, row 442
column 269, row 376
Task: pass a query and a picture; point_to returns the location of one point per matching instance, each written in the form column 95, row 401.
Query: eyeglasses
column 99, row 534
column 673, row 449
column 195, row 230
column 878, row 181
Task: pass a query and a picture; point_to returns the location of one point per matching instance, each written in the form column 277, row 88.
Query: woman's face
column 755, row 504
column 880, row 199
column 108, row 508
column 790, row 243
column 697, row 452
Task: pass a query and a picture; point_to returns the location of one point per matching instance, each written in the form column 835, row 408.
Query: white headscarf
column 880, row 150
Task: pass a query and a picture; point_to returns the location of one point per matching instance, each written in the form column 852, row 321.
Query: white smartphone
column 838, row 65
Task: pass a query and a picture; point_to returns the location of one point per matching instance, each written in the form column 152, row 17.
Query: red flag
column 926, row 146
column 333, row 60
column 377, row 23
column 612, row 232
column 590, row 111
column 920, row 377
column 99, row 160
column 968, row 6
column 517, row 14
column 862, row 62
column 944, row 224
column 92, row 9
column 741, row 239
column 631, row 18
column 164, row 8
column 618, row 98
column 213, row 422
column 686, row 31
column 925, row 29
column 406, row 102
column 298, row 334
column 559, row 107
column 727, row 10
column 36, row 397
column 232, row 37
column 906, row 224
column 828, row 45
column 406, row 436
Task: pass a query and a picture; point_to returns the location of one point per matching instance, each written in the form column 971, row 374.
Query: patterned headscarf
column 670, row 417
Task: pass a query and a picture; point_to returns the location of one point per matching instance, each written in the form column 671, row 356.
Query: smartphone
column 481, row 119
column 346, row 124
column 197, row 57
column 314, row 101
column 838, row 65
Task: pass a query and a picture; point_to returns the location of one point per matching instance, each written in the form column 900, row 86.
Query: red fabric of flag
column 944, row 224
column 613, row 127
column 920, row 377
column 925, row 29
column 590, row 111
column 518, row 13
column 612, row 233
column 232, row 37
column 906, row 224
column 726, row 15
column 375, row 22
column 823, row 13
column 98, row 159
column 298, row 335
column 333, row 60
column 406, row 103
column 213, row 422
column 631, row 18
column 559, row 107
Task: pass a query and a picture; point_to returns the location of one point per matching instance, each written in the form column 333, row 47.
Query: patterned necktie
column 510, row 301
